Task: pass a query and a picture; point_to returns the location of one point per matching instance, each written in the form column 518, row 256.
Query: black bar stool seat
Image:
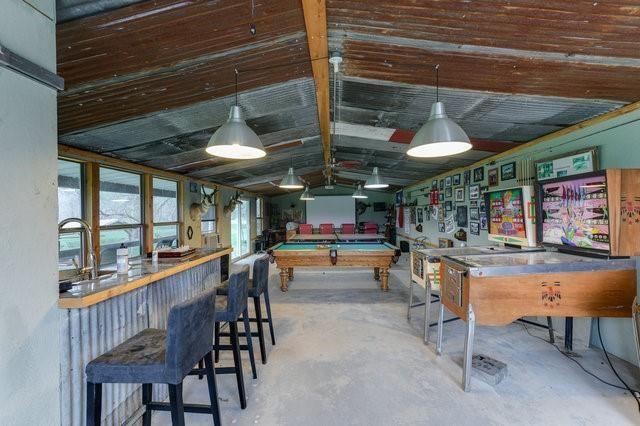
column 161, row 356
column 258, row 286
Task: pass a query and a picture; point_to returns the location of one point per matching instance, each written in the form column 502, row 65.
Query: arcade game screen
column 506, row 213
column 575, row 213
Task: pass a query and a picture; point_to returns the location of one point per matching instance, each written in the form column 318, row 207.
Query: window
column 259, row 214
column 240, row 229
column 208, row 220
column 165, row 213
column 70, row 241
column 120, row 213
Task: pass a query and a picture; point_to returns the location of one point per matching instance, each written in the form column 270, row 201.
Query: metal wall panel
column 89, row 332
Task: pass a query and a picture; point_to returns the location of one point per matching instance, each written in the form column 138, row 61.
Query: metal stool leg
column 468, row 349
column 410, row 298
column 94, row 403
column 177, row 404
column 247, row 334
column 440, row 327
column 213, row 389
column 552, row 338
column 233, row 329
column 147, row 391
column 427, row 309
column 216, row 342
column 268, row 306
column 258, row 309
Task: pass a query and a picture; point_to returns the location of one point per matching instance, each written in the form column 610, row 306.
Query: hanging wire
column 236, row 73
column 437, row 81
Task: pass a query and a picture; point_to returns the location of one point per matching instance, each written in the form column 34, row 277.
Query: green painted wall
column 618, row 142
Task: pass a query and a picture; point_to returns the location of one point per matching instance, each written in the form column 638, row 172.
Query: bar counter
column 102, row 313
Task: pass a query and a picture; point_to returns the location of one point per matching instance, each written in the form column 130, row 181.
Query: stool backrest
column 189, row 334
column 261, row 273
column 348, row 228
column 238, row 290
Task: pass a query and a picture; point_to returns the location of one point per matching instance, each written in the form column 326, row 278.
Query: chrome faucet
column 89, row 252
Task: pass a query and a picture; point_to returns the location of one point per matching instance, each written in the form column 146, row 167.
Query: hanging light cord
column 437, row 81
column 236, row 73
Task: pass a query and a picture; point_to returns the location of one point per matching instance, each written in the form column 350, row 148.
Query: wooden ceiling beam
column 315, row 20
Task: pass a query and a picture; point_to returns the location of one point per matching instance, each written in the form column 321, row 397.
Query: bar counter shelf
column 97, row 315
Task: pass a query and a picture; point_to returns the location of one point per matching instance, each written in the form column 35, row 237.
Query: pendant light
column 359, row 193
column 375, row 181
column 234, row 139
column 306, row 195
column 439, row 136
column 290, row 180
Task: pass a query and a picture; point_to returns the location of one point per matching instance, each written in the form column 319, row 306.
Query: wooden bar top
column 142, row 272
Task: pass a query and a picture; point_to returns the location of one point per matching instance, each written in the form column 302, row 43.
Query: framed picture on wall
column 483, row 222
column 467, row 177
column 474, row 214
column 456, row 179
column 448, row 192
column 478, row 174
column 508, row 171
column 474, row 192
column 567, row 164
column 474, row 228
column 448, row 206
column 459, row 194
column 399, row 197
column 441, row 227
column 434, row 184
column 461, row 216
column 441, row 196
column 441, row 185
column 493, row 176
column 483, row 210
column 419, row 213
column 447, row 181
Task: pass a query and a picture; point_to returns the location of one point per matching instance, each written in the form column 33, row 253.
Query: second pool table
column 290, row 255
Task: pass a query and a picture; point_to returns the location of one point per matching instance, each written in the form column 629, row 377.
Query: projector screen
column 336, row 209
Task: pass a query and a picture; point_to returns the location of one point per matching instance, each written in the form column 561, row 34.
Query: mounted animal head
column 361, row 207
column 206, row 202
column 233, row 201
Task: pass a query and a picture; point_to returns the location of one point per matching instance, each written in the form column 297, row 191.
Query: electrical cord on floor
column 626, row 388
column 634, row 393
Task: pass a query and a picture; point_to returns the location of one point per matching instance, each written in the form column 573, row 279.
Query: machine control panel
column 453, row 285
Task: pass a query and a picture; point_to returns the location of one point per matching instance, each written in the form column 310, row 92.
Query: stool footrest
column 240, row 333
column 229, row 348
column 188, row 408
column 225, row 370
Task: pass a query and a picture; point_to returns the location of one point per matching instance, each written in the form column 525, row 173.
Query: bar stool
column 229, row 309
column 258, row 286
column 161, row 356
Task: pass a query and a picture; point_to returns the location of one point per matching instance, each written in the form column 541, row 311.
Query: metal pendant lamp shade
column 234, row 139
column 440, row 136
column 359, row 193
column 306, row 195
column 291, row 181
column 375, row 181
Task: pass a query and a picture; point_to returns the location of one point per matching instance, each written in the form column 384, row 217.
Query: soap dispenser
column 122, row 259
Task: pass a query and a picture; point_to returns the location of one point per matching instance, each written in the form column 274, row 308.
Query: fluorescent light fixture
column 375, row 181
column 291, row 181
column 359, row 193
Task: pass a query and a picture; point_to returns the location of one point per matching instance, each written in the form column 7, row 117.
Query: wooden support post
column 315, row 20
column 148, row 213
column 92, row 203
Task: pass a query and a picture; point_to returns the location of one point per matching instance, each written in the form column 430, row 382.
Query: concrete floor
column 346, row 355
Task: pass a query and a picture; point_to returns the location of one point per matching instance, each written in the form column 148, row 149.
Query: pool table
column 290, row 255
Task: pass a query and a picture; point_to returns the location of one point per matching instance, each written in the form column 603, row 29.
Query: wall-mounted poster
column 493, row 176
column 427, row 213
column 447, row 181
column 467, row 177
column 474, row 192
column 474, row 228
column 412, row 215
column 483, row 222
column 456, row 179
column 441, row 185
column 441, row 196
column 440, row 214
column 474, row 214
column 459, row 194
column 448, row 192
column 461, row 216
column 419, row 218
column 508, row 171
column 441, row 227
column 478, row 174
column 448, row 206
column 399, row 198
column 434, row 184
column 483, row 208
column 568, row 164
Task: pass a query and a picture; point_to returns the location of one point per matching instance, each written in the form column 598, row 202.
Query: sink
column 65, row 283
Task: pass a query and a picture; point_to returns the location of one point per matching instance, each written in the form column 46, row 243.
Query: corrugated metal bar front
column 86, row 333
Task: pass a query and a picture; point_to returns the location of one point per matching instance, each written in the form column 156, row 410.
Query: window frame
column 175, row 223
column 259, row 216
column 75, row 227
column 140, row 226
